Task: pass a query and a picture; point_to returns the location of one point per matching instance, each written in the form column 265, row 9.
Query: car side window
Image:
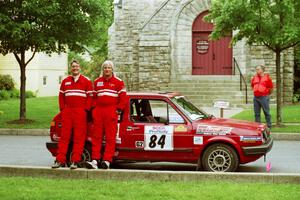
column 175, row 117
column 153, row 111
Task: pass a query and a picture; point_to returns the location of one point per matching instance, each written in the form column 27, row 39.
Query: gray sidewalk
column 124, row 174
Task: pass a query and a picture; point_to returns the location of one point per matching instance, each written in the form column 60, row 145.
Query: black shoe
column 74, row 165
column 57, row 164
column 105, row 164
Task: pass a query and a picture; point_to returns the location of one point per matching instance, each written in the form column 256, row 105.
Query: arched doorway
column 209, row 57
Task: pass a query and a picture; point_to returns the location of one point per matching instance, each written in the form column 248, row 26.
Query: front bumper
column 259, row 150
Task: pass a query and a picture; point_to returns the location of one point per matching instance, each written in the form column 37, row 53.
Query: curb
column 117, row 174
column 46, row 132
column 29, row 132
column 286, row 136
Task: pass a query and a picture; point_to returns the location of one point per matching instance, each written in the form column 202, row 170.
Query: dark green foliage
column 272, row 23
column 6, row 82
column 47, row 26
column 97, row 50
column 275, row 24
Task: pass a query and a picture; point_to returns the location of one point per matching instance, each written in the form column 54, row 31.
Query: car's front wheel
column 220, row 158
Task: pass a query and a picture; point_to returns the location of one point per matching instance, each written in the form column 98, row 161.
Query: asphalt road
column 31, row 151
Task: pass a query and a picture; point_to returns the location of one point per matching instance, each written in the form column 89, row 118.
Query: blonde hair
column 108, row 63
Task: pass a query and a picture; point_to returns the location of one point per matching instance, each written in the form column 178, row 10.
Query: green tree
column 46, row 26
column 272, row 23
column 97, row 50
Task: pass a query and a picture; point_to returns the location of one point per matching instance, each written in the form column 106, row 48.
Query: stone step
column 201, row 89
column 201, row 78
column 211, row 92
column 205, row 90
column 203, row 85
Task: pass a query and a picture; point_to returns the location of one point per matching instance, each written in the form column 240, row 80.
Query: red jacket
column 109, row 92
column 261, row 85
column 77, row 94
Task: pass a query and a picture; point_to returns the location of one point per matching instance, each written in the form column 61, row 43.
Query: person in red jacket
column 262, row 87
column 109, row 102
column 75, row 98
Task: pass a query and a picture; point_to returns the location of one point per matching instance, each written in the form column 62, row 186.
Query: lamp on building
column 118, row 3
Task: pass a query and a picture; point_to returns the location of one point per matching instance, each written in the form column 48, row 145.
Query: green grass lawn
column 41, row 188
column 290, row 117
column 41, row 110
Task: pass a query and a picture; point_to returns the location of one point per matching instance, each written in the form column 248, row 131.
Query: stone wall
column 154, row 48
column 151, row 45
column 124, row 38
column 261, row 55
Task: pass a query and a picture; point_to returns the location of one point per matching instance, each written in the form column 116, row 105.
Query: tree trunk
column 279, row 90
column 22, row 88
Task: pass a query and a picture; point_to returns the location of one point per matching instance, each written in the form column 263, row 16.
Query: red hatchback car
column 167, row 127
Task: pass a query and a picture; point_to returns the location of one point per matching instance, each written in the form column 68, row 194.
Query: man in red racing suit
column 109, row 101
column 75, row 98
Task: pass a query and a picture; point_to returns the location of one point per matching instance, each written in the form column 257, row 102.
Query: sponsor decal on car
column 213, row 130
column 198, row 140
column 180, row 128
column 158, row 138
column 139, row 144
column 250, row 139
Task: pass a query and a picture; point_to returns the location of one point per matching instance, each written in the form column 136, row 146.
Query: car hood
column 229, row 126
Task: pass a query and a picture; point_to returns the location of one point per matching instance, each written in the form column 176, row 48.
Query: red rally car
column 167, row 127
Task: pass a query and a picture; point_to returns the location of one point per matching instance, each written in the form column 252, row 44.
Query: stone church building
column 162, row 45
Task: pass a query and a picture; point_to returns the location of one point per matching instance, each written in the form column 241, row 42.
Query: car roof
column 153, row 94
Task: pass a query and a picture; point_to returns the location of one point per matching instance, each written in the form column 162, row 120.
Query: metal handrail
column 242, row 78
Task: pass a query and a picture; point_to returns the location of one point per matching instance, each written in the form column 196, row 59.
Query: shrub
column 296, row 97
column 4, row 94
column 29, row 94
column 6, row 82
column 15, row 93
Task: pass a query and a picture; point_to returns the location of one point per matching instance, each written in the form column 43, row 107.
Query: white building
column 43, row 74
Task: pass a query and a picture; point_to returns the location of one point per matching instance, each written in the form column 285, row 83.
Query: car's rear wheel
column 220, row 158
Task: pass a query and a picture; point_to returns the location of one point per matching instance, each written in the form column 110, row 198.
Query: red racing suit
column 262, row 85
column 109, row 96
column 75, row 98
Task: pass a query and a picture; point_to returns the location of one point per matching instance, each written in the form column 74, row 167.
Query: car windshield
column 189, row 109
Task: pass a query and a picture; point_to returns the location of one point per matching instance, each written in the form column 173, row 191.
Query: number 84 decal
column 158, row 138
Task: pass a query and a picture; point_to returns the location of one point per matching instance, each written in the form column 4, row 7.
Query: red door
column 209, row 57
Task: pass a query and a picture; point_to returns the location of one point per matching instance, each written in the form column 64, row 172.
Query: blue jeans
column 262, row 103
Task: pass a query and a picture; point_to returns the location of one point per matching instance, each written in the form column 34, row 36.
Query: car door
column 157, row 132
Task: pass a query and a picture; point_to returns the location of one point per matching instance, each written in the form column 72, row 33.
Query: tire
column 220, row 158
column 85, row 156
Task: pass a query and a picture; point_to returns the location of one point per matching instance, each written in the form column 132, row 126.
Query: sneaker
column 92, row 164
column 57, row 164
column 105, row 164
column 74, row 165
